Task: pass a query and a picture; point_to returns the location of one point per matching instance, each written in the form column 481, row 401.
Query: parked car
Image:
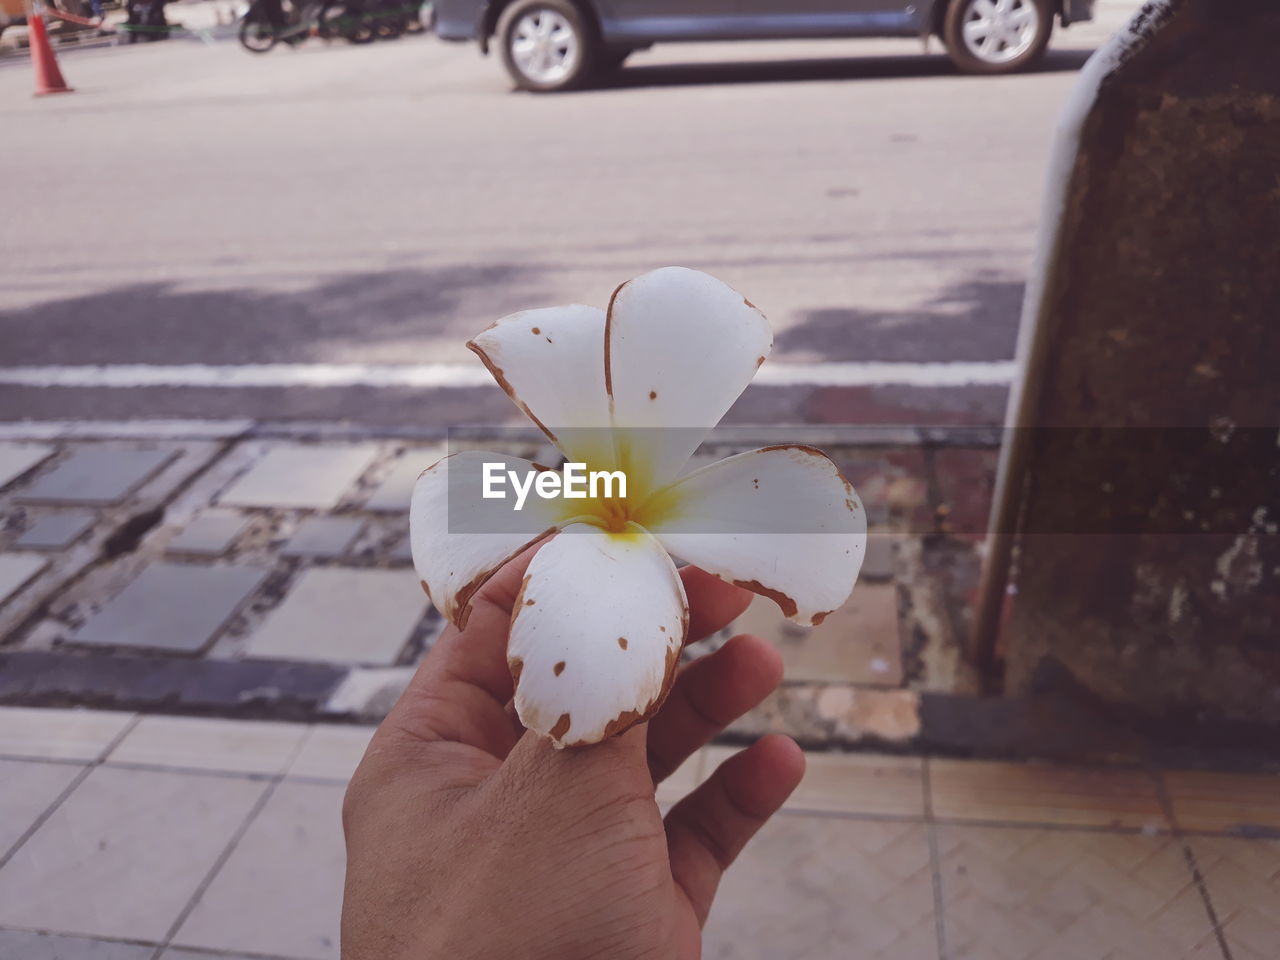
column 555, row 44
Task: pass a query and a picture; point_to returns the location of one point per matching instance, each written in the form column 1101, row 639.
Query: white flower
column 602, row 617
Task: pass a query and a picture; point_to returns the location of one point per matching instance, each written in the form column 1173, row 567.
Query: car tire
column 997, row 36
column 547, row 45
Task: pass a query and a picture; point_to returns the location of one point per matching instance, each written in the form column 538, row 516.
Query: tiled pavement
column 160, row 838
column 272, row 571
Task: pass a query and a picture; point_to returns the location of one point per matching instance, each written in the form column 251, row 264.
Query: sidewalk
column 161, row 838
column 236, row 570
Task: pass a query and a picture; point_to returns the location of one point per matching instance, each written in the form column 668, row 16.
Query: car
column 557, row 44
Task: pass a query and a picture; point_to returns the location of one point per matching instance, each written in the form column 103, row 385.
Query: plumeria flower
column 602, row 617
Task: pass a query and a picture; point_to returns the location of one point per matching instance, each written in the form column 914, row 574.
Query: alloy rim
column 545, row 46
column 998, row 31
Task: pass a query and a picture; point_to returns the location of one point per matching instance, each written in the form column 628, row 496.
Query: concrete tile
column 298, row 476
column 172, row 606
column 46, row 734
column 124, row 853
column 859, row 643
column 823, row 888
column 178, row 954
column 54, row 531
column 21, row 945
column 325, row 538
column 331, row 752
column 343, row 616
column 26, row 791
column 856, row 783
column 280, row 893
column 877, row 565
column 1039, row 793
column 1222, row 802
column 369, row 693
column 198, row 743
column 97, row 474
column 1243, row 880
column 210, row 534
column 16, row 571
column 1021, row 893
column 394, row 492
column 18, row 458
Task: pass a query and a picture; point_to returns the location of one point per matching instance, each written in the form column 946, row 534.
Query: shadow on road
column 322, row 320
column 976, row 319
column 784, row 71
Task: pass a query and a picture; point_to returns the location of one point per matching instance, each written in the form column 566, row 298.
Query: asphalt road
column 193, row 204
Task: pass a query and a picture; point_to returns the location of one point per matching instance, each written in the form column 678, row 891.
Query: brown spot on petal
column 663, row 629
column 788, row 605
column 817, row 618
column 755, row 482
column 653, row 394
column 426, row 590
column 629, row 718
column 549, row 340
column 622, row 642
column 559, row 668
column 516, row 666
column 530, row 603
column 759, row 362
column 536, row 331
column 561, row 727
column 750, row 304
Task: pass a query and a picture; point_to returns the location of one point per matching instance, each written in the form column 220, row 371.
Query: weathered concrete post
column 1140, row 494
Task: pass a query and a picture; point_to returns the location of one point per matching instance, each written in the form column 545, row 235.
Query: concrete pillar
column 1142, row 492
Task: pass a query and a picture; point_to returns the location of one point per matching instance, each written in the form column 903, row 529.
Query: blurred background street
column 192, row 204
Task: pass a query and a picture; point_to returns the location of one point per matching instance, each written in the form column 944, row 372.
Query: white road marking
column 428, row 375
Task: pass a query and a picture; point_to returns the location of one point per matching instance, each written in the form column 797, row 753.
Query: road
column 338, row 208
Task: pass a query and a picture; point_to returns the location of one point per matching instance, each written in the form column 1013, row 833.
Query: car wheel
column 997, row 36
column 546, row 44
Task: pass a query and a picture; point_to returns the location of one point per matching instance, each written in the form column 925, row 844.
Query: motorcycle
column 267, row 23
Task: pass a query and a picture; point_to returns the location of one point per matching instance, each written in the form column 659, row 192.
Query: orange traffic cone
column 48, row 76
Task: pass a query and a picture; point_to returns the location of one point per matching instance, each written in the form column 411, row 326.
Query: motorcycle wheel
column 257, row 35
column 388, row 19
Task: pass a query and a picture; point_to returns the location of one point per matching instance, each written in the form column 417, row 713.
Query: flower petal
column 780, row 521
column 596, row 634
column 459, row 538
column 680, row 347
column 551, row 364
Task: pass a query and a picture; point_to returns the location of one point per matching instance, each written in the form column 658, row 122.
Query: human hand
column 469, row 837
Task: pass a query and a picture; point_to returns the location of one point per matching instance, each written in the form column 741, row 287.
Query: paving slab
column 97, row 475
column 59, row 734
column 23, row 945
column 331, row 753
column 305, row 477
column 54, row 531
column 280, row 893
column 325, row 538
column 123, row 855
column 172, row 606
column 342, row 615
column 392, row 495
column 210, row 534
column 26, row 791
column 859, row 643
column 18, row 458
column 201, row 743
column 16, row 571
column 809, row 888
